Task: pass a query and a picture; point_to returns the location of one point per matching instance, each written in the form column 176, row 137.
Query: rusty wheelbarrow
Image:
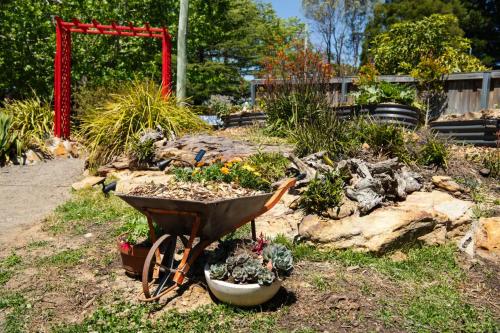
column 189, row 227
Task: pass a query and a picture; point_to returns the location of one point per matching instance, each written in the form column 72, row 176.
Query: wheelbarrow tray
column 217, row 218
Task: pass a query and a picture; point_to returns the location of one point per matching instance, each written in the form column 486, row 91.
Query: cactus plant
column 218, row 271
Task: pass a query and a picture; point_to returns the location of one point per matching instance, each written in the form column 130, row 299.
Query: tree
column 476, row 18
column 234, row 34
column 181, row 51
column 404, row 46
column 340, row 24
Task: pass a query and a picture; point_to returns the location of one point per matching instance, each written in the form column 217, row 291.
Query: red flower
column 125, row 246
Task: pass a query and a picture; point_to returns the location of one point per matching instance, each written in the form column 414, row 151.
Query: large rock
column 217, row 148
column 421, row 214
column 281, row 220
column 446, row 183
column 487, row 238
column 129, row 180
column 87, row 182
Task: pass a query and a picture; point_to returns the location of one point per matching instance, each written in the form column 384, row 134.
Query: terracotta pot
column 133, row 256
column 241, row 294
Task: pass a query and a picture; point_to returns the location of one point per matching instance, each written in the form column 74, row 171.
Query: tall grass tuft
column 32, row 119
column 110, row 130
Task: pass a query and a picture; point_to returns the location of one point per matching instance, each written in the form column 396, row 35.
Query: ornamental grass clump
column 32, row 119
column 110, row 130
column 236, row 262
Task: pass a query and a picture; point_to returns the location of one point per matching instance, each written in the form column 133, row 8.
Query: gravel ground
column 29, row 193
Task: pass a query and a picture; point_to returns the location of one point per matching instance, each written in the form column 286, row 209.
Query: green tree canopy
column 228, row 34
column 405, row 45
column 478, row 19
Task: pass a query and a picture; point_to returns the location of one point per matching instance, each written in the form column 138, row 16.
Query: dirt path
column 29, row 193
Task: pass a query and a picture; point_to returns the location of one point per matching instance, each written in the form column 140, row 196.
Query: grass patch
column 16, row 306
column 37, row 244
column 89, row 206
column 63, row 259
column 125, row 317
column 440, row 308
column 6, row 265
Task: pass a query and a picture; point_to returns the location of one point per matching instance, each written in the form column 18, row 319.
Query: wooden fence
column 465, row 92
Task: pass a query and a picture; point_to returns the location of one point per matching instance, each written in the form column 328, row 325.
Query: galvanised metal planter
column 478, row 132
column 383, row 113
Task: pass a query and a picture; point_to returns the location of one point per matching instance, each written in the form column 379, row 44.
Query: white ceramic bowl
column 241, row 294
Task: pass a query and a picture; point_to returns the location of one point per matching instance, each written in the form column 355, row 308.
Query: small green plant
column 64, row 259
column 143, row 152
column 220, row 105
column 135, row 230
column 218, row 271
column 491, row 161
column 10, row 144
column 271, row 166
column 323, row 192
column 389, row 140
column 434, row 152
column 280, row 258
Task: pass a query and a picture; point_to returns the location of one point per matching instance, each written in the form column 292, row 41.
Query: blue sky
column 287, row 8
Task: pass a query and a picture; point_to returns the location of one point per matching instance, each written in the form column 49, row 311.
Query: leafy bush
column 385, row 92
column 32, row 119
column 406, row 44
column 220, row 105
column 323, row 192
column 110, row 130
column 10, row 145
column 143, row 152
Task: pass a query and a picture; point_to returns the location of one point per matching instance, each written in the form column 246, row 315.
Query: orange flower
column 224, row 170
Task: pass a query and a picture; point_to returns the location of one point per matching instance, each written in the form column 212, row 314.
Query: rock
column 130, row 180
column 446, row 183
column 86, row 182
column 435, row 237
column 484, row 172
column 487, row 238
column 280, row 220
column 398, row 256
column 347, row 208
column 388, row 227
column 32, row 157
column 217, row 148
column 88, row 235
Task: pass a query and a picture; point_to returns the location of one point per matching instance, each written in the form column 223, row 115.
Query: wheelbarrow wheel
column 159, row 267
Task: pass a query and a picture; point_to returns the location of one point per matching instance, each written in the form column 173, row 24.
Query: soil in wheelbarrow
column 194, row 191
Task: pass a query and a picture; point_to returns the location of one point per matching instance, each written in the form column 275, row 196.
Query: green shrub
column 143, row 152
column 109, row 131
column 385, row 92
column 491, row 161
column 220, row 105
column 327, row 133
column 323, row 192
column 389, row 140
column 271, row 166
column 136, row 230
column 10, row 145
column 434, row 152
column 32, row 119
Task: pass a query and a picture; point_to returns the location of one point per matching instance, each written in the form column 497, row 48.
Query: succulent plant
column 218, row 271
column 252, row 268
column 239, row 274
column 280, row 257
column 234, row 261
column 265, row 277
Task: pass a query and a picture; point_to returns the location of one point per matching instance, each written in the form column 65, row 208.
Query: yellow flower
column 195, row 171
column 258, row 174
column 229, row 164
column 248, row 168
column 224, row 170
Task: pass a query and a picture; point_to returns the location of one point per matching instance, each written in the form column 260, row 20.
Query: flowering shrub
column 220, row 105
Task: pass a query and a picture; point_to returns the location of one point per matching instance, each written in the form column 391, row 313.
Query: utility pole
column 181, row 51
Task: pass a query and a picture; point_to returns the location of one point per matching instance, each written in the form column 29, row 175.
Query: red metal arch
column 62, row 62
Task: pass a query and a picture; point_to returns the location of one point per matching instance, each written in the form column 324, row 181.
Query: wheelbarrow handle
column 282, row 189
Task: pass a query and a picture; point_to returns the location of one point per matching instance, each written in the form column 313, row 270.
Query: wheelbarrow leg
column 254, row 232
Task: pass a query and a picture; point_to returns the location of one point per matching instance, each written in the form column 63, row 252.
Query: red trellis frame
column 62, row 62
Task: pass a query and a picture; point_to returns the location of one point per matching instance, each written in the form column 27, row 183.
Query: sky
column 288, row 8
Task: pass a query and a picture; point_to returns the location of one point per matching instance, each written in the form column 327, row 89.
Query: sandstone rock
column 86, row 182
column 129, row 180
column 280, row 220
column 347, row 208
column 387, row 227
column 487, row 238
column 435, row 237
column 32, row 157
column 446, row 183
column 398, row 256
column 485, row 172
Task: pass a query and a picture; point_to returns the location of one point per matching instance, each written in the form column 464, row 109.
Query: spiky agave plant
column 9, row 142
column 110, row 130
